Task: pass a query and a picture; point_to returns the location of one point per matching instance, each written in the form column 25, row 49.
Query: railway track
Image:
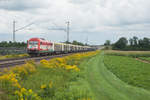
column 18, row 61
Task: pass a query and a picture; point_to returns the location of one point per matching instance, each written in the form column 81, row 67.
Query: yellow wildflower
column 30, row 91
column 21, row 99
column 23, row 90
column 50, row 84
column 18, row 93
column 77, row 69
column 44, row 62
column 14, row 80
column 43, row 86
column 17, row 85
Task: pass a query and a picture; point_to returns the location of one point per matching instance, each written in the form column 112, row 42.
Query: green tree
column 107, row 43
column 121, row 43
column 131, row 41
column 135, row 40
column 77, row 43
column 144, row 43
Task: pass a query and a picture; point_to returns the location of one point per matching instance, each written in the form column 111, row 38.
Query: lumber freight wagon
column 57, row 47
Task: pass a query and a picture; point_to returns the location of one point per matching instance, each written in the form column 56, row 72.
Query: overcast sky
column 97, row 20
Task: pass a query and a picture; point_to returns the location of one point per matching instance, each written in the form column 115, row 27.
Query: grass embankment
column 56, row 79
column 106, row 86
column 13, row 56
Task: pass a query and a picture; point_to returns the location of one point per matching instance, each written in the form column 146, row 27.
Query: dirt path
column 141, row 60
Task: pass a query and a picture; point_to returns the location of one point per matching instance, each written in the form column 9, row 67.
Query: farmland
column 130, row 66
column 128, row 53
column 129, row 70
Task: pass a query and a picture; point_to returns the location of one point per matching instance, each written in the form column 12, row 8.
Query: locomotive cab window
column 33, row 42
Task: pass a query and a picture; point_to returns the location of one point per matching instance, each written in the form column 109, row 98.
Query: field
column 128, row 53
column 83, row 76
column 129, row 70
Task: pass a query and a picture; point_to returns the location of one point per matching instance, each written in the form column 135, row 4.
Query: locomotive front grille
column 32, row 51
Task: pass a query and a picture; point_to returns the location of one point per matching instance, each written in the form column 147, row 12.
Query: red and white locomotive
column 40, row 46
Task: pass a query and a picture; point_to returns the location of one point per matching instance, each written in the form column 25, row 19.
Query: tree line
column 12, row 44
column 23, row 44
column 133, row 43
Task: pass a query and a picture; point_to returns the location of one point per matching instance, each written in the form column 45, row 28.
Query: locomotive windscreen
column 33, row 44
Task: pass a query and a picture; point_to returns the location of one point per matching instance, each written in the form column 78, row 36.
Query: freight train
column 40, row 46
